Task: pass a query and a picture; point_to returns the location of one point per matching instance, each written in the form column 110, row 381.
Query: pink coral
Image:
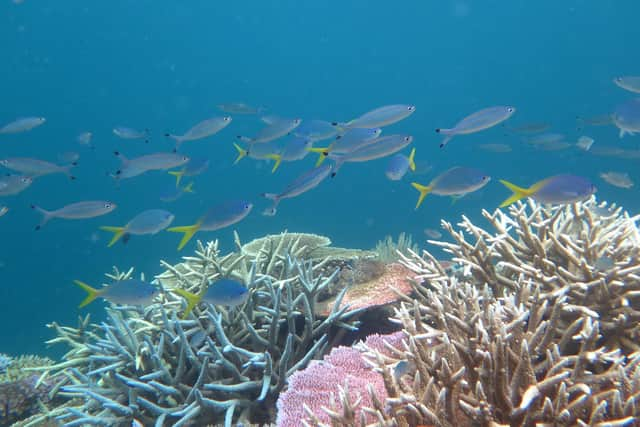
column 315, row 385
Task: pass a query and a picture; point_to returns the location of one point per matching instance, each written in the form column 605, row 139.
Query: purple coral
column 315, row 385
column 20, row 398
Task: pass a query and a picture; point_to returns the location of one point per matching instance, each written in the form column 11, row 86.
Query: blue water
column 165, row 65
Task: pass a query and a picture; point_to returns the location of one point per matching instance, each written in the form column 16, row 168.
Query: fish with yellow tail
column 258, row 152
column 558, row 189
column 150, row 221
column 123, row 292
column 222, row 292
column 217, row 217
column 399, row 165
column 455, row 182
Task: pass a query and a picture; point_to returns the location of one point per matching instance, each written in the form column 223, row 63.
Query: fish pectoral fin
column 423, row 189
column 192, row 300
column 518, row 193
column 188, row 230
column 118, row 232
column 92, row 293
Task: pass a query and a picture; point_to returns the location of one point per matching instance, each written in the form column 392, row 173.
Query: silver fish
column 80, row 210
column 301, row 184
column 476, row 122
column 202, row 129
column 617, row 179
column 150, row 221
column 630, row 83
column 129, row 133
column 22, row 125
column 315, row 130
column 380, row 117
column 456, row 182
column 14, row 184
column 35, row 167
column 139, row 165
column 375, row 149
column 276, row 127
column 240, row 108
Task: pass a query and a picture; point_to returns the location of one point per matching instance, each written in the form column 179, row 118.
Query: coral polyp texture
column 219, row 365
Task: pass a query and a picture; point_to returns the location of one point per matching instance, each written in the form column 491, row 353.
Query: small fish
column 195, row 166
column 128, row 133
column 147, row 222
column 433, row 234
column 457, row 181
column 627, row 117
column 375, row 149
column 558, row 189
column 139, row 165
column 173, row 193
column 22, row 125
column 347, row 142
column 545, row 138
column 530, row 128
column 80, row 210
column 617, row 179
column 630, row 83
column 315, row 130
column 380, row 117
column 201, row 130
column 399, row 165
column 14, row 184
column 585, row 143
column 3, row 210
column 35, row 167
column 496, row 148
column 601, row 120
column 480, row 120
column 69, row 157
column 301, row 184
column 240, row 108
column 222, row 292
column 276, row 127
column 218, row 217
column 122, row 292
column 85, row 139
column 296, row 149
column 258, row 152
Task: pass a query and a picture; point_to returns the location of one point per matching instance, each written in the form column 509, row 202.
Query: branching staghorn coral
column 220, row 365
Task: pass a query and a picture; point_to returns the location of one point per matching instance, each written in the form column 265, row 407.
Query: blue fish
column 222, row 292
column 558, row 189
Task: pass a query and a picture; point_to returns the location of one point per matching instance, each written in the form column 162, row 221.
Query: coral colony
column 533, row 321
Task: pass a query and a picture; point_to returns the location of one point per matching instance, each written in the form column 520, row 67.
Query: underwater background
column 165, row 65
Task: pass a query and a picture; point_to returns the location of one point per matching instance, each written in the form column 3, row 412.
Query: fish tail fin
column 336, row 167
column 189, row 188
column 188, row 230
column 192, row 300
column 277, row 158
column 412, row 162
column 518, row 193
column 423, row 189
column 178, row 175
column 122, row 158
column 323, row 152
column 118, row 232
column 242, row 153
column 92, row 293
column 46, row 216
column 67, row 169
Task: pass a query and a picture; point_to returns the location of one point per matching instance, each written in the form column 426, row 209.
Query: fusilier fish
column 276, row 127
column 399, row 164
column 221, row 292
column 455, row 182
column 147, row 222
column 122, row 292
column 630, row 83
column 558, row 189
column 80, row 210
column 139, row 165
column 22, row 125
column 201, row 130
column 617, row 179
column 35, row 167
column 476, row 122
column 301, row 184
column 218, row 217
column 240, row 108
column 14, row 184
column 380, row 117
column 296, row 149
column 347, row 142
column 129, row 133
column 257, row 152
column 315, row 130
column 375, row 149
column 195, row 166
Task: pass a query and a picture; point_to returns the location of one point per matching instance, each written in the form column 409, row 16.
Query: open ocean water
column 91, row 66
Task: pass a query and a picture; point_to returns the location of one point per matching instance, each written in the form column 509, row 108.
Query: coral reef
column 387, row 250
column 220, row 365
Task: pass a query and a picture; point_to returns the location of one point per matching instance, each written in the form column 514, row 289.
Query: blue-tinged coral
column 220, row 365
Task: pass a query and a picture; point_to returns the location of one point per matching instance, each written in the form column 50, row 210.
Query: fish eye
column 407, row 138
column 226, row 119
column 107, row 205
column 510, row 109
column 411, row 108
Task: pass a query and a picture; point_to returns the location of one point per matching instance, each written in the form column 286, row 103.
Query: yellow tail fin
column 278, row 160
column 192, row 300
column 518, row 193
column 242, row 153
column 323, row 152
column 118, row 232
column 188, row 230
column 93, row 293
column 412, row 163
column 189, row 188
column 178, row 175
column 423, row 189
